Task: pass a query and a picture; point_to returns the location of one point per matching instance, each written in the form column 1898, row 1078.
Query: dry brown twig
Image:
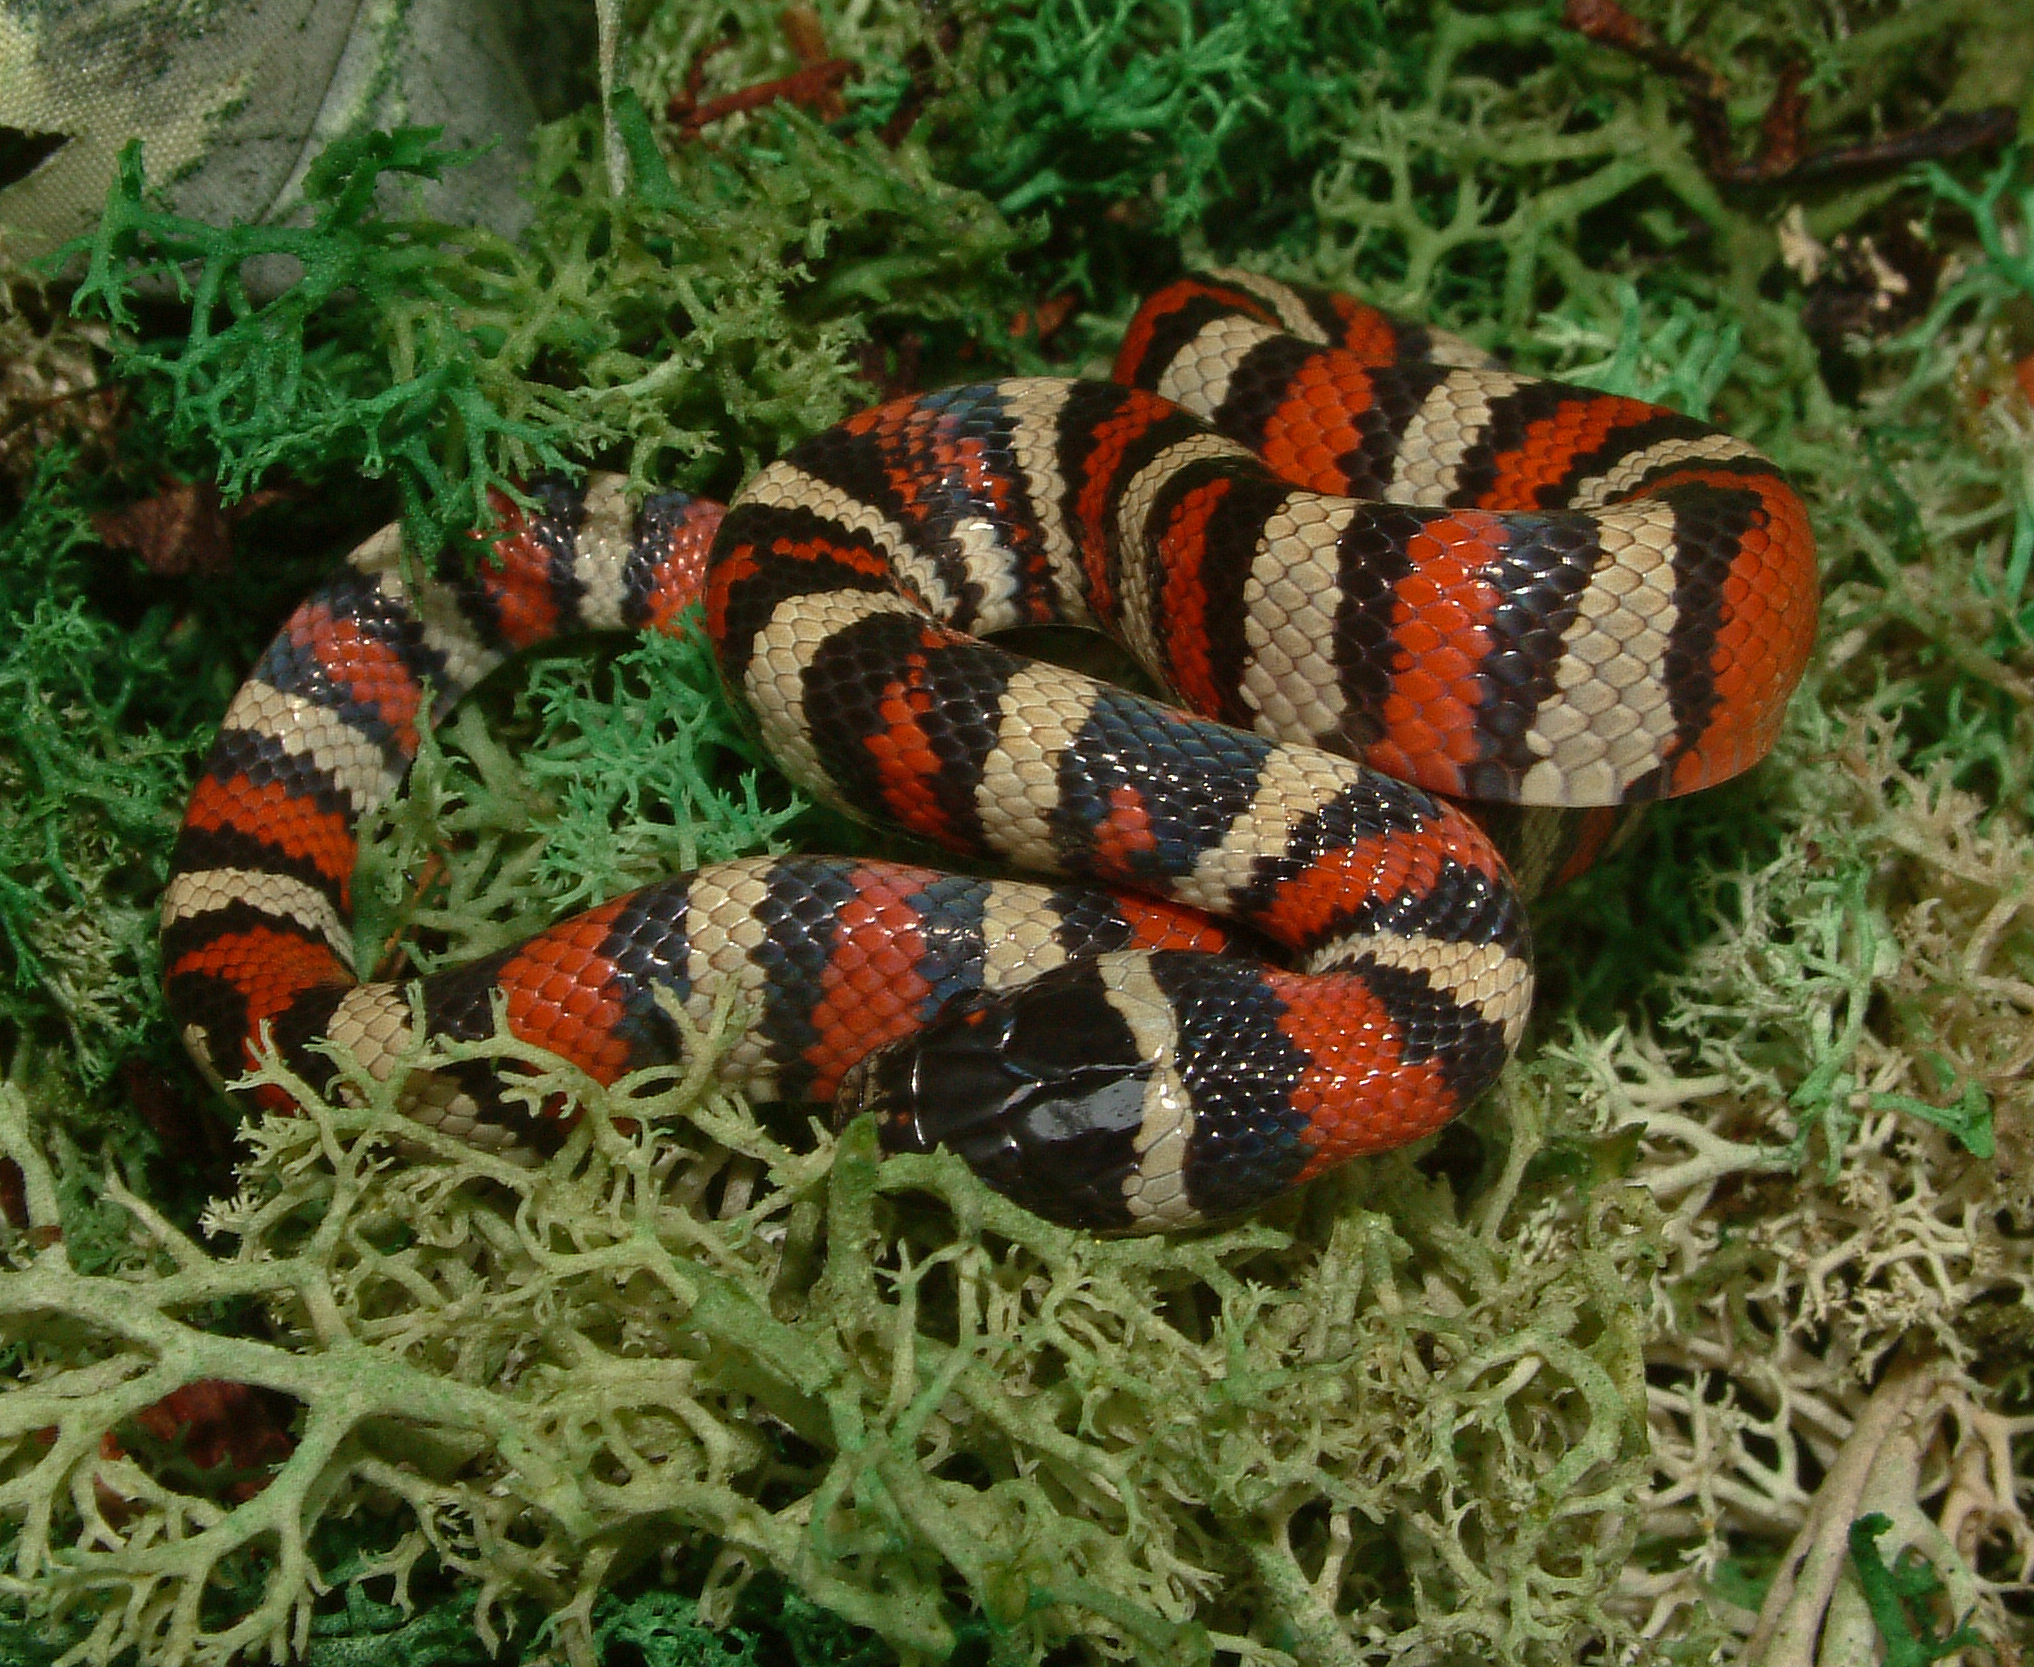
column 815, row 85
column 1781, row 157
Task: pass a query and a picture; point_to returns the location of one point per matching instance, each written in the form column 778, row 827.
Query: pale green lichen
column 872, row 1380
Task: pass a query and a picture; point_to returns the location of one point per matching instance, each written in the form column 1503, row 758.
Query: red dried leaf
column 13, row 1194
column 1045, row 320
column 182, row 529
column 216, row 1422
column 185, row 528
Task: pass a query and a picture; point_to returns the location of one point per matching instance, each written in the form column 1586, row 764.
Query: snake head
column 1046, row 1094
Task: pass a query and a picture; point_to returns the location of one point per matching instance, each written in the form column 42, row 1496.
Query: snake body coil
column 1595, row 602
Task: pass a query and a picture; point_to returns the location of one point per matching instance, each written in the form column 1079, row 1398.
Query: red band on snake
column 1336, row 535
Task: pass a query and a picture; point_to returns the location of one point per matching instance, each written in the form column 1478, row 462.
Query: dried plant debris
column 51, row 389
column 815, row 85
column 186, row 527
column 1704, row 1339
column 1783, row 156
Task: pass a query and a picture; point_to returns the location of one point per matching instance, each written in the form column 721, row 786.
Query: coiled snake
column 1335, row 534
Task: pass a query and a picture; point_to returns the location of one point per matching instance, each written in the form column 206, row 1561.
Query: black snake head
column 1042, row 1090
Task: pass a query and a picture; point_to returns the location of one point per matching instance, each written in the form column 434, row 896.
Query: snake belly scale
column 1384, row 572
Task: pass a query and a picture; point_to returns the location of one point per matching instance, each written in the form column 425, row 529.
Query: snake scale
column 1386, row 574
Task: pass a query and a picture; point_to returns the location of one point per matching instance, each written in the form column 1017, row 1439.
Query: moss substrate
column 1736, row 1256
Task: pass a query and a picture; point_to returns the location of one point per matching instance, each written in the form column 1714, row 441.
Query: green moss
column 712, row 311
column 565, row 791
column 88, row 790
column 1892, row 1594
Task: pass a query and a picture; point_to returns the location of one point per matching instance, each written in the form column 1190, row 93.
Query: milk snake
column 1598, row 602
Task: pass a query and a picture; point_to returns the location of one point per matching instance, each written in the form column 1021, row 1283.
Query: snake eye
column 1041, row 1090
